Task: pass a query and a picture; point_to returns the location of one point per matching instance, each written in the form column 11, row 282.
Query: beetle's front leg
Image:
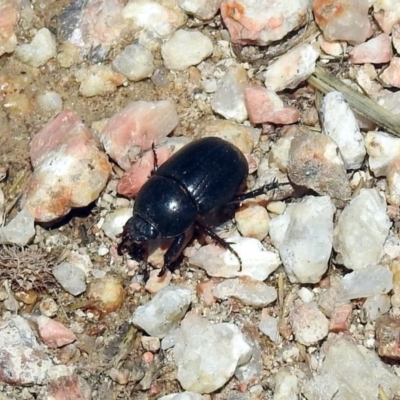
column 173, row 252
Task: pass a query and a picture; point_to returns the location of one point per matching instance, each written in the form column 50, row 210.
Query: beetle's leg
column 155, row 159
column 220, row 241
column 173, row 252
column 257, row 192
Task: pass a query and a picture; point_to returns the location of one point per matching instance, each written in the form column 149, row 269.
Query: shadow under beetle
column 202, row 176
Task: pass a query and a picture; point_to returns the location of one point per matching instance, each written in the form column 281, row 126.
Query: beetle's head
column 136, row 232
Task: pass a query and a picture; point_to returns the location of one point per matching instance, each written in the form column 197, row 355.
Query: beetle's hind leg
column 220, row 241
column 258, row 192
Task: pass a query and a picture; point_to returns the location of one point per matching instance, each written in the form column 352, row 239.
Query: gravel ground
column 114, row 359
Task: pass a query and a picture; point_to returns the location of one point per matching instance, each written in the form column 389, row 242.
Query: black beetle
column 202, row 176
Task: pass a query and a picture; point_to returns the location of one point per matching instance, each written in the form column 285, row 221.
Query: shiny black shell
column 203, row 175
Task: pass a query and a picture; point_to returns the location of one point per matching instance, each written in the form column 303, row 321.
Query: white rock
column 309, row 324
column 306, row 295
column 249, row 291
column 183, row 396
column 292, row 68
column 367, row 282
column 202, row 9
column 375, row 306
column 251, row 370
column 228, row 99
column 160, row 18
column 114, row 222
column 393, row 182
column 186, row 48
column 207, row 355
column 339, row 122
column 286, row 386
column 279, row 153
column 269, row 327
column 382, row 149
column 20, row 230
column 257, row 262
column 24, row 361
column 71, row 277
column 39, row 51
column 135, row 62
column 252, row 220
column 50, row 101
column 164, row 312
column 98, row 80
column 303, row 236
column 361, row 230
column 346, row 373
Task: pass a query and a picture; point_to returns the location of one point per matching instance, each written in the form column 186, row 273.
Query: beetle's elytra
column 202, row 176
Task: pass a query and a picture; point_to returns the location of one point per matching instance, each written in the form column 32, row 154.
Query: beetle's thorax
column 139, row 230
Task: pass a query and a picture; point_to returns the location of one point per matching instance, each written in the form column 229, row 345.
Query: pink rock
column 264, row 105
column 8, row 20
column 343, row 19
column 391, row 75
column 139, row 124
column 340, row 318
column 69, row 169
column 53, row 333
column 155, row 283
column 135, row 177
column 376, row 51
column 205, row 291
column 69, row 387
column 262, row 22
column 387, row 14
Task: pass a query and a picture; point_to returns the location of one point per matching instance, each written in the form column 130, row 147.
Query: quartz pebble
column 387, row 13
column 343, row 20
column 252, row 221
column 269, row 326
column 164, row 311
column 286, row 385
column 9, row 16
column 264, row 105
column 53, row 333
column 222, row 349
column 98, row 80
column 387, row 334
column 393, row 182
column 346, row 370
column 71, row 277
column 303, row 236
column 279, row 153
column 50, row 101
column 186, row 48
column 257, row 262
column 291, row 69
column 249, row 291
column 228, row 99
column 114, row 222
column 367, row 282
column 202, row 9
column 391, row 75
column 258, row 23
column 20, row 230
column 339, row 123
column 69, row 169
column 361, row 230
column 375, row 306
column 24, row 361
column 316, row 163
column 309, row 324
column 382, row 149
column 135, row 62
column 242, row 136
column 137, row 126
column 375, row 51
column 39, row 51
column 161, row 19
